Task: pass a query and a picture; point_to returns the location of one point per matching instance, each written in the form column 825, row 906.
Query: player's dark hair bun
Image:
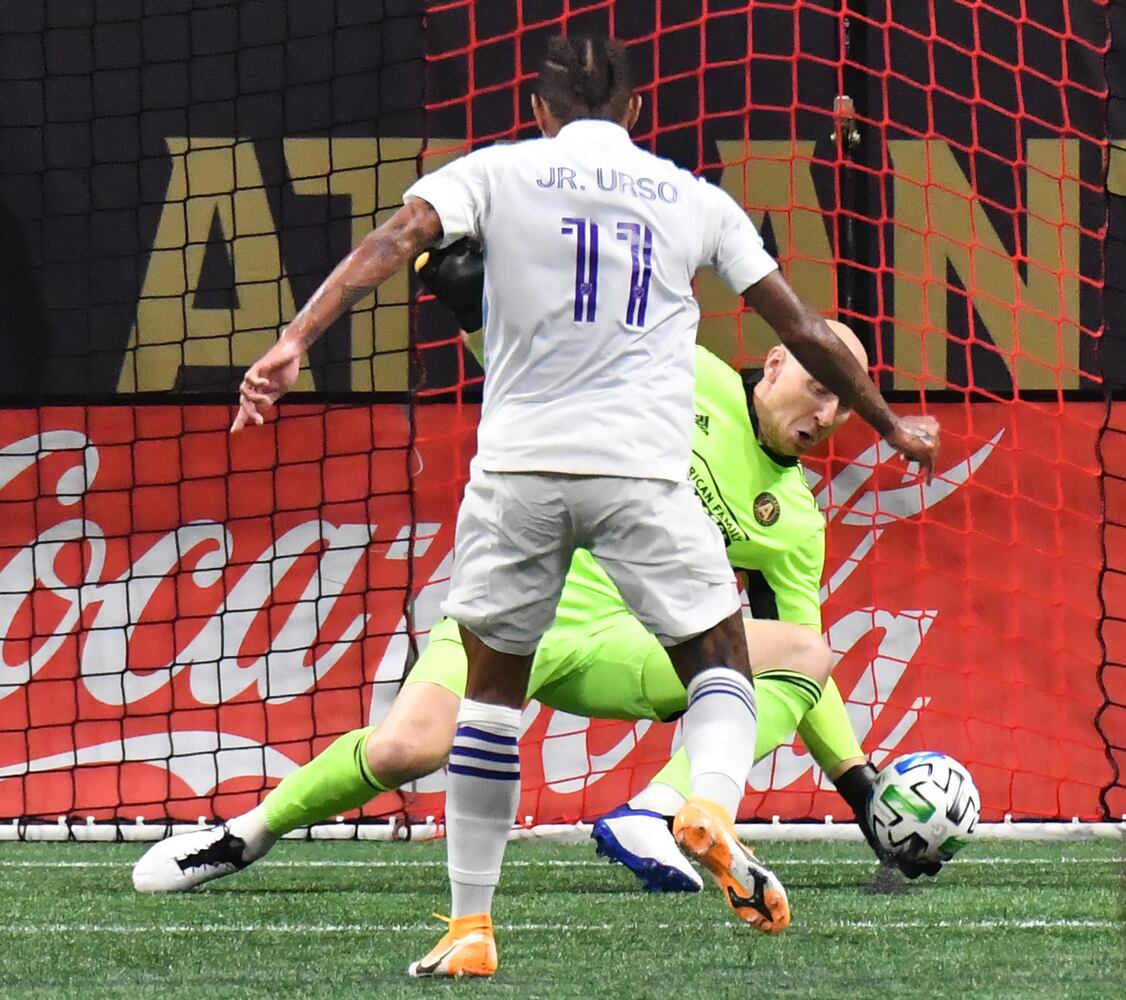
column 585, row 76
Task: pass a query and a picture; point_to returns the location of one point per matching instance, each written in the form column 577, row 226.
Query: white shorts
column 516, row 533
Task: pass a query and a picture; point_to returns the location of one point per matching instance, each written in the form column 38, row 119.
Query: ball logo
column 767, row 509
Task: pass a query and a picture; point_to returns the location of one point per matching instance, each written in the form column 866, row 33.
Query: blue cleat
column 642, row 841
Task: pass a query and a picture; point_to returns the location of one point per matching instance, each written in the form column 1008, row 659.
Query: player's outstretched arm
column 821, row 353
column 380, row 254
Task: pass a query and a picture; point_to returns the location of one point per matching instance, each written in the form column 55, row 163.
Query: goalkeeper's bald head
column 795, row 413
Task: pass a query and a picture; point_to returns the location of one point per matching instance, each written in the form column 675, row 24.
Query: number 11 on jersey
column 586, row 266
column 640, row 238
column 641, row 250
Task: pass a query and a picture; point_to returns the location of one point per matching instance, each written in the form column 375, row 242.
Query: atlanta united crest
column 766, row 509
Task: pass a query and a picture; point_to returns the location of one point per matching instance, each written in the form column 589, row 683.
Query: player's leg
column 796, row 661
column 784, row 697
column 721, row 709
column 412, row 741
column 790, row 663
column 667, row 558
column 511, row 554
column 616, row 669
column 829, row 736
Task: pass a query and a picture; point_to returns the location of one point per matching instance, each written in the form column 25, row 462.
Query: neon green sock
column 827, row 731
column 784, row 697
column 675, row 774
column 336, row 780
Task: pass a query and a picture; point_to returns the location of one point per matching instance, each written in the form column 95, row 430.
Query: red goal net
column 185, row 618
column 933, row 175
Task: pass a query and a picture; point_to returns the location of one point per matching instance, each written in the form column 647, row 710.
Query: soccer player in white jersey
column 584, row 439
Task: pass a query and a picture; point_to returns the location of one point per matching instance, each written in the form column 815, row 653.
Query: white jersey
column 590, row 322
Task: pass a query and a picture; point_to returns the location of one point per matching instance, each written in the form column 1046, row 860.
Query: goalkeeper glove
column 855, row 787
column 455, row 275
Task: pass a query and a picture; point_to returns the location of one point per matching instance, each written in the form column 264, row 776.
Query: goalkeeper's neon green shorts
column 615, row 670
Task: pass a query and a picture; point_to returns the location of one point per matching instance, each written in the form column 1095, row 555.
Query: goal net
column 186, row 617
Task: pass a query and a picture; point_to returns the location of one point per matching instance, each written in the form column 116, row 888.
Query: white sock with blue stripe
column 719, row 735
column 482, row 793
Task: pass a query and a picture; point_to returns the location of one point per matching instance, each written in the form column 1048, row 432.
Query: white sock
column 482, row 792
column 658, row 798
column 251, row 828
column 719, row 735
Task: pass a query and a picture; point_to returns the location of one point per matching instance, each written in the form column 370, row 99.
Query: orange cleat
column 705, row 832
column 466, row 949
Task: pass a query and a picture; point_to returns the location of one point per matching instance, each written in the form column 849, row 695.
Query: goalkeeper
column 597, row 660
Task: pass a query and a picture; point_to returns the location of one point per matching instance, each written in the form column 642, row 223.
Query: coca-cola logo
column 197, row 638
column 186, row 618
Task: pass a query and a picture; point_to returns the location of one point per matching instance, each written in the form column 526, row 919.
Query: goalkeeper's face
column 795, row 411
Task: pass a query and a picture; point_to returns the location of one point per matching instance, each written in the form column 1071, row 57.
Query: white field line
column 429, row 928
column 829, row 831
column 961, row 862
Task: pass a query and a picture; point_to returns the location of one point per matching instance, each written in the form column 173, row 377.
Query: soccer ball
column 924, row 807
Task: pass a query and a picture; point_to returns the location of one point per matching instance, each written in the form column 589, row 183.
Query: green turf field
column 339, row 920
